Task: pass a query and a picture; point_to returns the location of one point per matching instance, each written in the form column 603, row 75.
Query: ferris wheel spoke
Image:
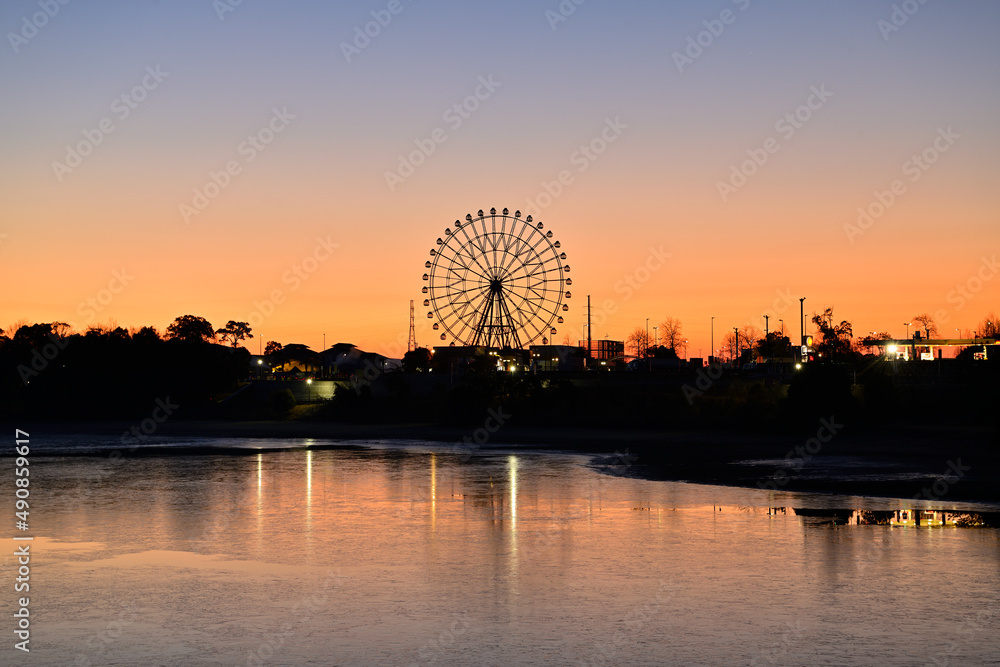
column 472, row 242
column 465, row 267
column 512, row 256
column 495, row 282
column 515, row 339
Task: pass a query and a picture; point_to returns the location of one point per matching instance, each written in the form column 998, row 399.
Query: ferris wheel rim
column 490, row 283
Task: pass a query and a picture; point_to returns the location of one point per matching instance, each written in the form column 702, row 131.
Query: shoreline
column 896, row 463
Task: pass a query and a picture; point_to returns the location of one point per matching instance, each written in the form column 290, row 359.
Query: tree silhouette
column 989, row 327
column 874, row 340
column 775, row 345
column 234, row 332
column 670, row 333
column 191, row 328
column 639, row 341
column 927, row 322
column 749, row 336
column 418, row 360
column 729, row 346
column 272, row 347
column 837, row 338
column 146, row 335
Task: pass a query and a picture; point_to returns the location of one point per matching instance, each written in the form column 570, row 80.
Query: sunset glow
column 804, row 151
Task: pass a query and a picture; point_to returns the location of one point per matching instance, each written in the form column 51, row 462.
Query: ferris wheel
column 496, row 280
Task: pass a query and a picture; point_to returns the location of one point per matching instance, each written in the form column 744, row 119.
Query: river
column 421, row 554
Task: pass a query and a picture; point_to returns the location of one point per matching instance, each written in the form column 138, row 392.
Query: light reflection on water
column 388, row 556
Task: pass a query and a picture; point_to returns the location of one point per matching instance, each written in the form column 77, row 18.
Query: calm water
column 418, row 555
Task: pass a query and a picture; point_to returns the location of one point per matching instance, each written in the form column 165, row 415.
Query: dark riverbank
column 934, row 462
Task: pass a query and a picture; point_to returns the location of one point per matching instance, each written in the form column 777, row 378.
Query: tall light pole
column 907, row 325
column 647, row 336
column 782, row 327
column 656, row 336
column 767, row 344
column 713, row 341
column 802, row 321
column 736, row 332
column 685, row 349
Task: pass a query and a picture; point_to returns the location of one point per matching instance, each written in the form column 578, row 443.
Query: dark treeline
column 110, row 373
column 869, row 394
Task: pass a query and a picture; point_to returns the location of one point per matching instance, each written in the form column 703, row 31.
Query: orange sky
column 656, row 185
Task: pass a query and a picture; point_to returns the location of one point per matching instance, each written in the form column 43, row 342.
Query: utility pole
column 711, row 353
column 736, row 332
column 589, row 347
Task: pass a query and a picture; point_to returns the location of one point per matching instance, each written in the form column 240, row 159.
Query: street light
column 656, row 337
column 685, row 349
column 782, row 322
column 309, row 389
column 713, row 339
column 907, row 325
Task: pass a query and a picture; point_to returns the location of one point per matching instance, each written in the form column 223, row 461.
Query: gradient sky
column 62, row 236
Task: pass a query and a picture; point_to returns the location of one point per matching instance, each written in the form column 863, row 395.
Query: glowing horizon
column 793, row 151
